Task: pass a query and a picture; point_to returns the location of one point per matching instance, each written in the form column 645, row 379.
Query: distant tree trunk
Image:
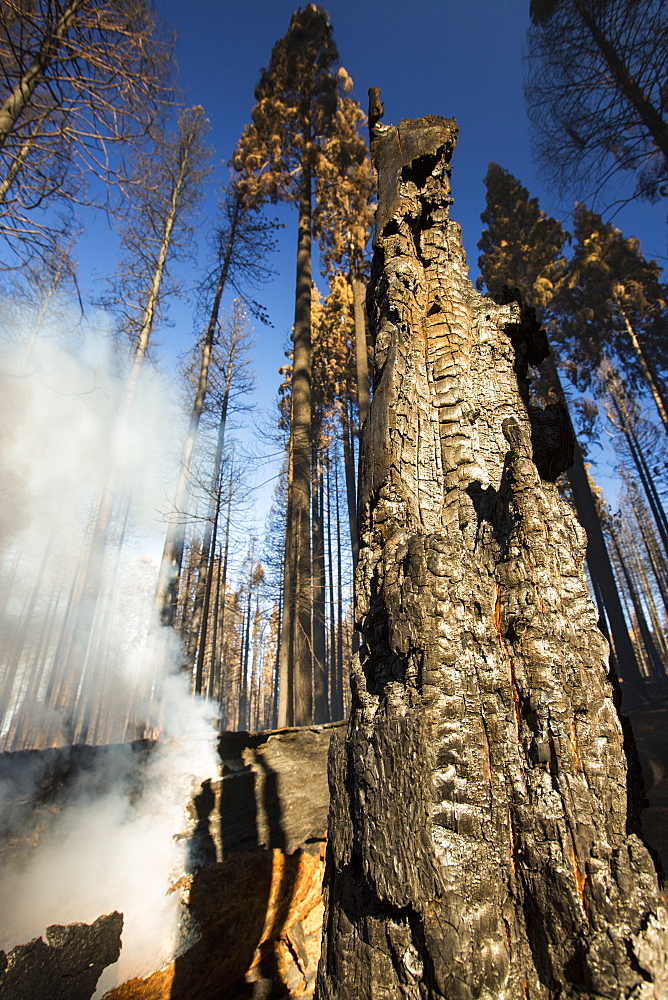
column 651, row 546
column 172, row 553
column 213, row 680
column 320, row 700
column 256, row 679
column 222, row 602
column 245, row 656
column 198, row 623
column 338, row 666
column 481, row 843
column 296, row 708
column 648, row 371
column 351, row 478
column 207, row 582
column 638, row 456
column 285, row 673
column 601, row 571
column 333, row 673
column 652, row 653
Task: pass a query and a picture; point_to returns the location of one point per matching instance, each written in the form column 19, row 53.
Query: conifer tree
column 521, row 245
column 611, row 303
column 344, row 217
column 159, row 229
column 240, row 243
column 279, row 154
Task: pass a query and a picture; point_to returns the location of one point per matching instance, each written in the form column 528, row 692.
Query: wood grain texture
column 482, row 843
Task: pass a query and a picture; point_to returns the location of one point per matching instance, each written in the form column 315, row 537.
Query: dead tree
column 481, row 842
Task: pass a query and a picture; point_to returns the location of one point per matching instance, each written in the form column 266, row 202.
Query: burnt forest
column 333, row 500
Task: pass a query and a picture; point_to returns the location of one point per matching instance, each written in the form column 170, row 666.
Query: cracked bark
column 482, row 841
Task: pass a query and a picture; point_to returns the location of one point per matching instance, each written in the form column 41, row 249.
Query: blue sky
column 460, row 58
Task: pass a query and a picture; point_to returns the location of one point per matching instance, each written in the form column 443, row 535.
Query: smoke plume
column 86, row 475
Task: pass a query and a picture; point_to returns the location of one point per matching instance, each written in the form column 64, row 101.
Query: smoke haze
column 86, row 479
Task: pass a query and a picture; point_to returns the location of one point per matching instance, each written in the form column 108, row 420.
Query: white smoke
column 115, row 844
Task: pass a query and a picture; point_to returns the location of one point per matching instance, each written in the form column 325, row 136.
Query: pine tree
column 611, row 303
column 344, row 217
column 521, row 246
column 278, row 155
column 240, row 243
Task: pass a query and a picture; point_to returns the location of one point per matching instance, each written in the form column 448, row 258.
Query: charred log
column 480, row 841
column 66, row 966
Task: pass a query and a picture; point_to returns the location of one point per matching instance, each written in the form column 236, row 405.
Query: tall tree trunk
column 651, row 546
column 646, row 637
column 202, row 632
column 351, row 478
column 648, row 371
column 638, row 456
column 148, row 316
column 245, row 651
column 481, row 844
column 361, row 355
column 202, row 578
column 97, row 550
column 297, row 707
column 338, row 666
column 320, row 701
column 213, row 680
column 600, row 569
column 222, row 603
column 285, row 673
column 332, row 672
column 256, row 679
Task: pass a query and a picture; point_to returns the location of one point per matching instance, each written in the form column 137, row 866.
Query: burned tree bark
column 482, row 846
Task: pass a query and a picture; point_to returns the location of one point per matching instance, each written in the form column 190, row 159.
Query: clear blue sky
column 460, row 58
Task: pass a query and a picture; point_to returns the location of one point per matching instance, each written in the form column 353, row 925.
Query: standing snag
column 481, row 841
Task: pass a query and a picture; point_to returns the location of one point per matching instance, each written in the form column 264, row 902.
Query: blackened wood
column 482, row 844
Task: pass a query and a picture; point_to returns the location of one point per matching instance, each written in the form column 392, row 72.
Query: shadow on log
column 481, row 844
column 251, row 888
column 252, row 892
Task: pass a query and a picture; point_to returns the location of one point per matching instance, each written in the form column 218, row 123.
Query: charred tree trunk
column 361, row 356
column 600, row 568
column 480, row 840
